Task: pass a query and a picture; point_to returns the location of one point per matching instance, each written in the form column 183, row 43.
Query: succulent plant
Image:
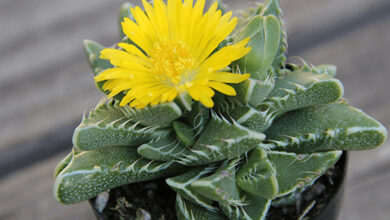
column 284, row 128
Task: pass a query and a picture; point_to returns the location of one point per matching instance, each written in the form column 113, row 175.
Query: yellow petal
column 223, row 88
column 207, row 101
column 228, row 77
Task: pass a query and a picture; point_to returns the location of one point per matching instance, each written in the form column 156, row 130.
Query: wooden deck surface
column 46, row 85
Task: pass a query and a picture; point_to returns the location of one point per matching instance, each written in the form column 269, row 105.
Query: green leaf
column 184, row 132
column 272, row 7
column 328, row 69
column 254, row 91
column 92, row 49
column 161, row 114
column 221, row 140
column 165, row 148
column 182, row 185
column 221, row 186
column 187, row 211
column 255, row 208
column 124, row 13
column 252, row 118
column 258, row 175
column 264, row 33
column 301, row 89
column 92, row 172
column 335, row 126
column 107, row 126
column 62, row 164
column 295, row 171
column 224, row 103
column 198, row 117
column 184, row 101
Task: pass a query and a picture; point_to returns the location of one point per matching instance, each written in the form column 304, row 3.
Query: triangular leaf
column 253, row 91
column 106, row 126
column 295, row 171
column 198, row 117
column 221, row 140
column 182, row 185
column 336, row 126
column 92, row 172
column 258, row 175
column 184, row 132
column 255, row 208
column 160, row 114
column 252, row 118
column 301, row 89
column 92, row 50
column 63, row 164
column 163, row 149
column 221, row 186
column 264, row 32
column 272, row 7
column 188, row 211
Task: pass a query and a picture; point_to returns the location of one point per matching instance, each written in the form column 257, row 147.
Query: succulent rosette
column 208, row 101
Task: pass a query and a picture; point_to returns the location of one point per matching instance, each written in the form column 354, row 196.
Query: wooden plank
column 27, row 194
column 43, row 64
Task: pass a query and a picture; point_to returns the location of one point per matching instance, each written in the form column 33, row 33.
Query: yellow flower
column 173, row 54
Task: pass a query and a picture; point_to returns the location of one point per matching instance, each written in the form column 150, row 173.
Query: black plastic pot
column 333, row 207
column 328, row 209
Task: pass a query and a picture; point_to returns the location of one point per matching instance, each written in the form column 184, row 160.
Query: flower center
column 174, row 61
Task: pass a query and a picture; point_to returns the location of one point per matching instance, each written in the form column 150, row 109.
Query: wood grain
column 27, row 194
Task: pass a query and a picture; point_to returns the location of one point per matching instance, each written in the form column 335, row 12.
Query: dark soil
column 155, row 200
column 146, row 200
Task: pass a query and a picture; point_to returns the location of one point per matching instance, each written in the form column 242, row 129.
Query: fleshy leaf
column 335, row 126
column 253, row 91
column 272, row 7
column 295, row 171
column 264, row 32
column 293, row 91
column 92, row 50
column 252, row 118
column 92, row 172
column 221, row 186
column 255, row 208
column 184, row 132
column 107, row 126
column 186, row 210
column 163, row 149
column 328, row 69
column 184, row 101
column 63, row 164
column 198, row 117
column 182, row 185
column 258, row 175
column 301, row 89
column 160, row 114
column 221, row 140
